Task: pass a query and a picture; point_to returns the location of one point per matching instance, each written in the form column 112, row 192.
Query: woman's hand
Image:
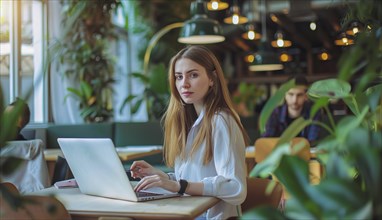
column 157, row 181
column 140, row 169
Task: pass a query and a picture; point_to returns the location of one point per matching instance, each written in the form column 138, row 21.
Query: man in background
column 296, row 104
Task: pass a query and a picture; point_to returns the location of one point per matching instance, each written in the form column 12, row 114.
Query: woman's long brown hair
column 179, row 117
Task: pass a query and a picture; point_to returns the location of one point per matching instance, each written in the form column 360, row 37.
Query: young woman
column 204, row 139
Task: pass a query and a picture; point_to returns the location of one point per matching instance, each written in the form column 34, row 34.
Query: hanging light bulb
column 251, row 34
column 285, row 57
column 280, row 41
column 343, row 40
column 354, row 28
column 217, row 5
column 313, row 25
column 324, row 55
column 235, row 18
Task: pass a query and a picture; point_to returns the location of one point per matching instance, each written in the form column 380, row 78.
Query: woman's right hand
column 141, row 168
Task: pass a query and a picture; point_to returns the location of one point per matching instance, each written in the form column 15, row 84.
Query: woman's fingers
column 149, row 182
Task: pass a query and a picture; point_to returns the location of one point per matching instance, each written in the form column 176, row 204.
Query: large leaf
column 365, row 148
column 318, row 104
column 330, row 88
column 272, row 103
column 263, row 213
column 338, row 167
column 349, row 123
column 86, row 89
column 374, row 95
column 271, row 162
column 336, row 197
column 293, row 173
column 128, row 99
column 143, row 78
column 294, row 129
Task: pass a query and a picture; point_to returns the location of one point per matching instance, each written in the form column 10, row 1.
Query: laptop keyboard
column 143, row 194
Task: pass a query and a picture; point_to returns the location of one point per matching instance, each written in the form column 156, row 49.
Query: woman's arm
column 229, row 160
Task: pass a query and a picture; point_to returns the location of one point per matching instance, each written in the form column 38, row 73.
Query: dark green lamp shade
column 201, row 30
column 265, row 59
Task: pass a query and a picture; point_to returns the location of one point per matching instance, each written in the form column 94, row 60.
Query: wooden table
column 81, row 206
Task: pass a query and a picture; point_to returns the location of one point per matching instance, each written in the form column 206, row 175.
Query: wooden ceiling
column 292, row 17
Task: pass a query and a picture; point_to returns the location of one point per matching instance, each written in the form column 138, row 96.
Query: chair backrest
column 61, row 170
column 32, row 174
column 257, row 196
column 265, row 145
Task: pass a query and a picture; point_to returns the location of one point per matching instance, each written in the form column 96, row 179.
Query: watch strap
column 183, row 186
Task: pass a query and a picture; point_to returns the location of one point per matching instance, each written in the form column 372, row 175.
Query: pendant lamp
column 265, row 58
column 200, row 29
column 217, row 5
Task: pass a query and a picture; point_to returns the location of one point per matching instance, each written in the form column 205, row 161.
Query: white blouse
column 224, row 176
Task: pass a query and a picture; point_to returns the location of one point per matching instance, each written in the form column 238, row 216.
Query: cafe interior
column 97, row 69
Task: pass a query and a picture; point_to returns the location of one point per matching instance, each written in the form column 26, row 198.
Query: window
column 23, row 28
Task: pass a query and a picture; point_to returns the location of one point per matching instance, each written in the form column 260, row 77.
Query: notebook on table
column 98, row 170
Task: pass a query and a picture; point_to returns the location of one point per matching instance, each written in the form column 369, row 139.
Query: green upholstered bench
column 94, row 130
column 141, row 134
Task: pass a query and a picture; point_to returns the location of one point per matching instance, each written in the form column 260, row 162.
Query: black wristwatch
column 183, row 186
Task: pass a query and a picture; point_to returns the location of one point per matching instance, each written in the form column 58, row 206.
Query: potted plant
column 83, row 52
column 246, row 97
column 155, row 94
column 351, row 153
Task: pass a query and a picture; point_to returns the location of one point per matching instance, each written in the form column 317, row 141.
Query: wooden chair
column 264, row 146
column 257, row 196
column 34, row 207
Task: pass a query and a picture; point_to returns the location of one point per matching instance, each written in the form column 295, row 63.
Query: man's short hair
column 299, row 80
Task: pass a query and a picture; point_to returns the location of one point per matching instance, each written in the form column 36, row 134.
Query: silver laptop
column 98, row 170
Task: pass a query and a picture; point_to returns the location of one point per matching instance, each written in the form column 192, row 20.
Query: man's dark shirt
column 278, row 123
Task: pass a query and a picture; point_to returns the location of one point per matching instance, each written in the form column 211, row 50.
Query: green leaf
column 374, row 95
column 128, row 99
column 271, row 162
column 349, row 123
column 272, row 103
column 293, row 173
column 86, row 89
column 143, row 78
column 136, row 106
column 294, row 129
column 74, row 91
column 330, row 88
column 318, row 104
column 333, row 196
column 263, row 213
column 337, row 167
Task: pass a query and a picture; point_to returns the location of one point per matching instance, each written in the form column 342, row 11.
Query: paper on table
column 139, row 148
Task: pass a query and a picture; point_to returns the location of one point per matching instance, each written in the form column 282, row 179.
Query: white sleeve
column 229, row 160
